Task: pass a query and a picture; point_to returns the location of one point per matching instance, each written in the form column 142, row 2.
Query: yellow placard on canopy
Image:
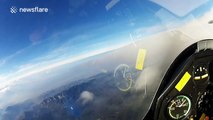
column 183, row 81
column 140, row 59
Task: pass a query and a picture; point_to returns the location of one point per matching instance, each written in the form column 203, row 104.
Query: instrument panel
column 189, row 96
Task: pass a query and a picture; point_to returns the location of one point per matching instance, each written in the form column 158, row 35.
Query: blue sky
column 70, row 28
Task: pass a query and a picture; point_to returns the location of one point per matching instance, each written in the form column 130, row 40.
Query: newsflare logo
column 14, row 10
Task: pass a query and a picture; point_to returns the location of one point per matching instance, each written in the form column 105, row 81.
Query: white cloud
column 86, row 97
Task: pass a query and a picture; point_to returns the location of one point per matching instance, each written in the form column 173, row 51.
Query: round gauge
column 179, row 107
column 123, row 77
column 200, row 72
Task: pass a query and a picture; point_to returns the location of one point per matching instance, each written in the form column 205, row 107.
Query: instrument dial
column 179, row 107
column 201, row 72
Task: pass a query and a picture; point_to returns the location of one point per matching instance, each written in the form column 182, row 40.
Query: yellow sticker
column 180, row 85
column 140, row 59
column 202, row 117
